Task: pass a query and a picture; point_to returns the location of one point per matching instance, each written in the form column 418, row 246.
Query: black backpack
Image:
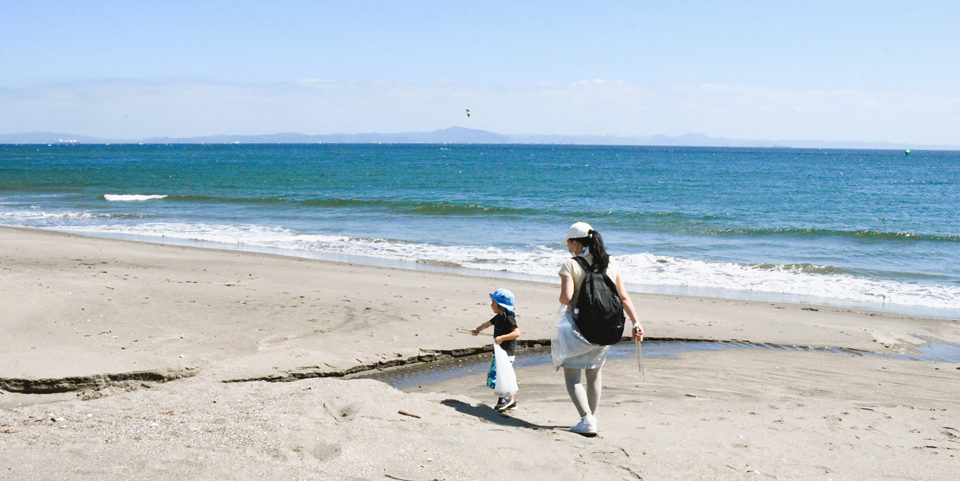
column 599, row 310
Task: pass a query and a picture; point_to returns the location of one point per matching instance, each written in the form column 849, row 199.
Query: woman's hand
column 637, row 332
column 498, row 339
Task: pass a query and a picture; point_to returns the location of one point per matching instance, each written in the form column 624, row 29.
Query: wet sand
column 82, row 314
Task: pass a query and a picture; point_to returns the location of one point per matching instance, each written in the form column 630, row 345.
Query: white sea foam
column 663, row 270
column 130, row 197
column 20, row 217
column 638, row 269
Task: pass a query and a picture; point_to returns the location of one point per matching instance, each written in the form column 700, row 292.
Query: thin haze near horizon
column 858, row 71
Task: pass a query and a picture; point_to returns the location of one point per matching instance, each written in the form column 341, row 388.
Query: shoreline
column 428, row 266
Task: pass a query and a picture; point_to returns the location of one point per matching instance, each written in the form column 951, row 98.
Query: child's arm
column 482, row 327
column 508, row 337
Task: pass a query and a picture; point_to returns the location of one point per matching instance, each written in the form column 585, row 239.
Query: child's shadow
column 488, row 414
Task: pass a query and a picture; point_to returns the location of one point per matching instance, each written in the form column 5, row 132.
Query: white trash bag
column 567, row 344
column 505, row 385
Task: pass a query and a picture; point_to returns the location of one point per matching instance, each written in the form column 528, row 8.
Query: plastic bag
column 506, row 382
column 568, row 346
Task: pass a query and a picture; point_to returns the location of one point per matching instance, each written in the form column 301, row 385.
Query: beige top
column 571, row 268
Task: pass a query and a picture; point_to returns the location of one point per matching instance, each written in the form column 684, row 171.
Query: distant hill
column 461, row 135
column 453, row 135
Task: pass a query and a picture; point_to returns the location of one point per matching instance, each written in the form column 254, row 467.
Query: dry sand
column 107, row 322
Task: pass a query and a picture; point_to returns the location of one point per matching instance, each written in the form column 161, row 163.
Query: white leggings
column 586, row 400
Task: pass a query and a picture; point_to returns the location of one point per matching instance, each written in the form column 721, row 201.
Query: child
column 505, row 333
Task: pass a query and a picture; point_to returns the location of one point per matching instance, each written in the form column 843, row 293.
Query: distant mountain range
column 460, row 135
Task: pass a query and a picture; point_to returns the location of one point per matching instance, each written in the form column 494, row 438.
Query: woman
column 583, row 241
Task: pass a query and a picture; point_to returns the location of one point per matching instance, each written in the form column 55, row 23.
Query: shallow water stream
column 430, row 373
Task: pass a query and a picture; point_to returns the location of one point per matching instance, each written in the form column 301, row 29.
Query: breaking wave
column 131, row 197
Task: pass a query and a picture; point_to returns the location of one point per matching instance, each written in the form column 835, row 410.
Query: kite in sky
column 468, row 113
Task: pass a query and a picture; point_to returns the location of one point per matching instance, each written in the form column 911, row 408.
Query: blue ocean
column 858, row 228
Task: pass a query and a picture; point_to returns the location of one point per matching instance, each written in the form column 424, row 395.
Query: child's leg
column 577, row 394
column 594, row 386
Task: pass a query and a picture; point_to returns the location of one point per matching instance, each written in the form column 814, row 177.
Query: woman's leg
column 577, row 394
column 594, row 386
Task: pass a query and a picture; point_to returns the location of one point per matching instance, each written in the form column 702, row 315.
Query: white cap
column 579, row 231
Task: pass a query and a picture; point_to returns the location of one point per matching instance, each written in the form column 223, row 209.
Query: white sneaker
column 587, row 426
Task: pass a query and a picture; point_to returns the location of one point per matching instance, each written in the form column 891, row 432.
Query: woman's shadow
column 488, row 414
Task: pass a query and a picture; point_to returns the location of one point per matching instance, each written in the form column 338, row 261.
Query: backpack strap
column 583, row 263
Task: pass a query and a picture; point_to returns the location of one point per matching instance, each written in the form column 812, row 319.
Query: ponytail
column 600, row 257
column 594, row 242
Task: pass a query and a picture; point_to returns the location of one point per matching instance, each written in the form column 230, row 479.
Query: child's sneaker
column 587, row 426
column 505, row 403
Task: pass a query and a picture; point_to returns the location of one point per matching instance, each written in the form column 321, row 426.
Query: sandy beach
column 116, row 355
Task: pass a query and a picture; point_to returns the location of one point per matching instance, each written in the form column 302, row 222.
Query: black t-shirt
column 505, row 324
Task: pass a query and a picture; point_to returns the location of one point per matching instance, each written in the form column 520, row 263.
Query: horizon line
column 465, row 135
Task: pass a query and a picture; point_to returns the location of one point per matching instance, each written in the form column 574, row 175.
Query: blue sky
column 773, row 70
